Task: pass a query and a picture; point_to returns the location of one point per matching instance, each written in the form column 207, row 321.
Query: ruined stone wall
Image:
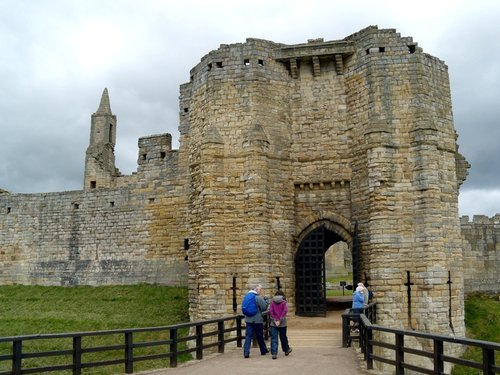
column 481, row 254
column 129, row 234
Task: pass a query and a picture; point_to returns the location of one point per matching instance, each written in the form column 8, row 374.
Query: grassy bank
column 34, row 309
column 482, row 322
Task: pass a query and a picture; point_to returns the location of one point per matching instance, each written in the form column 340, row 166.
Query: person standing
column 358, row 301
column 358, row 305
column 277, row 312
column 366, row 294
column 253, row 305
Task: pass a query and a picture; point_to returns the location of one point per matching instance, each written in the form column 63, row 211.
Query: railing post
column 77, row 355
column 239, row 334
column 17, row 355
column 400, row 354
column 345, row 330
column 173, row 347
column 199, row 341
column 488, row 361
column 438, row 357
column 129, row 353
column 220, row 329
column 369, row 349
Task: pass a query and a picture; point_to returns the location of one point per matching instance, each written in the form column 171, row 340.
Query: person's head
column 279, row 293
column 258, row 288
column 361, row 285
column 359, row 289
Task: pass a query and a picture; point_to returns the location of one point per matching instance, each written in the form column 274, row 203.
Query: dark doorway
column 310, row 276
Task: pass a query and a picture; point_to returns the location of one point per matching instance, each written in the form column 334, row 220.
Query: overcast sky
column 57, row 56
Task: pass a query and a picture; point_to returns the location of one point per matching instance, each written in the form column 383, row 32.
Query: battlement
column 480, row 220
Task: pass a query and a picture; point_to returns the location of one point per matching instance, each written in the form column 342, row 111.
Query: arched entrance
column 310, row 274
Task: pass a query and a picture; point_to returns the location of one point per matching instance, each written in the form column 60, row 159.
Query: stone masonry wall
column 133, row 233
column 481, row 254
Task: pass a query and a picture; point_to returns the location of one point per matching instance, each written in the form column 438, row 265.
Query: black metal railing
column 394, row 340
column 351, row 323
column 124, row 351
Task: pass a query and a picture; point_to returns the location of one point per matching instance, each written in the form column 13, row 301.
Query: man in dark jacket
column 255, row 324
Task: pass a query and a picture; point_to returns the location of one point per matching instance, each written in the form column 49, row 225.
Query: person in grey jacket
column 255, row 324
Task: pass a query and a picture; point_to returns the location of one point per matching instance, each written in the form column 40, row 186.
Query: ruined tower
column 100, row 166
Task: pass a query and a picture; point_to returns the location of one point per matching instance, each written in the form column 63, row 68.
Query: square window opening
column 219, row 64
column 261, row 62
column 93, row 184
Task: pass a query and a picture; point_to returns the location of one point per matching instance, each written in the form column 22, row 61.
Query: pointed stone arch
column 316, row 233
column 334, row 222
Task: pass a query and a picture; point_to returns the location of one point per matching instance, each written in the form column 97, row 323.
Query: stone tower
column 100, row 168
column 293, row 148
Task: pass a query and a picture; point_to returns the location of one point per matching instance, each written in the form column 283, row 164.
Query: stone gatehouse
column 284, row 151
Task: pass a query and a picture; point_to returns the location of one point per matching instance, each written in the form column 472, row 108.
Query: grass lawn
column 482, row 322
column 336, row 281
column 34, row 309
column 26, row 310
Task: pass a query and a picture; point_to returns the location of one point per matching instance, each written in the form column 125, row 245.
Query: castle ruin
column 284, row 151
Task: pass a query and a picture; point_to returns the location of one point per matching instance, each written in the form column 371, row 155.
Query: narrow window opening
column 209, row 67
column 261, row 62
column 144, row 156
column 110, row 133
column 93, row 184
column 246, row 62
column 9, row 210
column 411, row 48
column 151, row 200
column 186, row 110
column 163, row 154
column 111, row 204
column 186, row 247
column 381, row 49
column 76, row 206
column 191, row 78
column 219, row 64
column 368, row 51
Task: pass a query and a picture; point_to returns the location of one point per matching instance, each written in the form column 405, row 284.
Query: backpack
column 249, row 305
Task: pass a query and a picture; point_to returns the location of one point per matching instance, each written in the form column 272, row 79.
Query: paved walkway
column 317, row 350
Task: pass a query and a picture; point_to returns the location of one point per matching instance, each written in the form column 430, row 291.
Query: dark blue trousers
column 258, row 328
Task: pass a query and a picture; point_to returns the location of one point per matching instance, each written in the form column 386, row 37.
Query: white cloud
column 479, row 202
